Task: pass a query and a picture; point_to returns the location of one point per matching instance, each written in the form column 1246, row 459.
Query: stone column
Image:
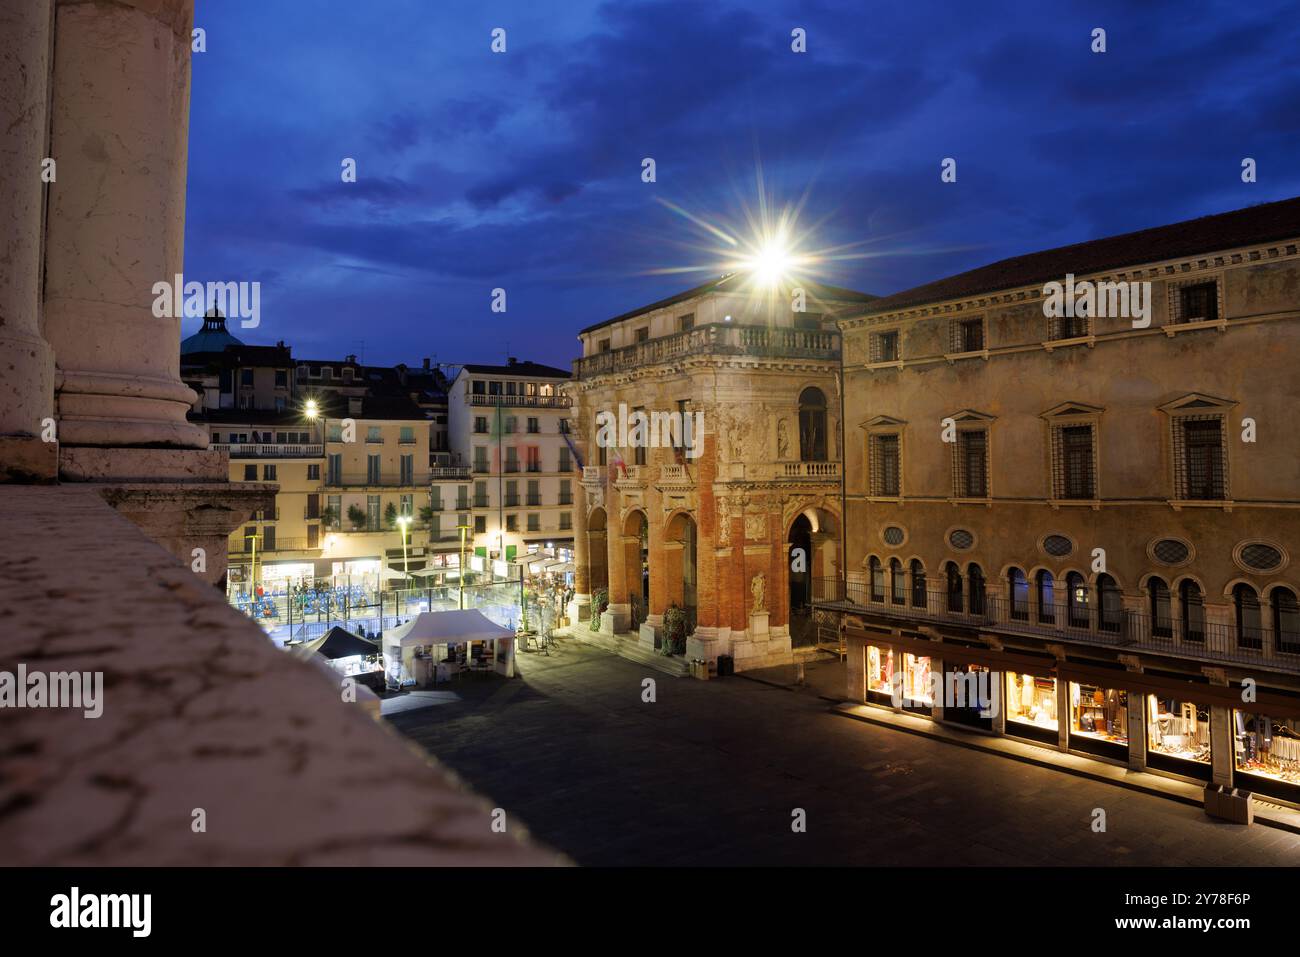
column 116, row 226
column 617, row 617
column 26, row 361
column 581, row 602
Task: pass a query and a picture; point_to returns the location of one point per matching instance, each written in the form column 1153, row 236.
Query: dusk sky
column 522, row 170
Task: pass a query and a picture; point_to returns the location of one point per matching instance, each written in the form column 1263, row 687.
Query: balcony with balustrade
column 272, row 450
column 715, row 339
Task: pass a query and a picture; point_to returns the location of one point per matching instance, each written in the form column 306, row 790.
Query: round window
column 961, row 539
column 893, row 535
column 1260, row 557
column 1057, row 545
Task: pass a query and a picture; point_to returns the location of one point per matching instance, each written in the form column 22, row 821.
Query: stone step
column 626, row 646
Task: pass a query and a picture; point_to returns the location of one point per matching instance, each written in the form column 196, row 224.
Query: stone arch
column 597, row 549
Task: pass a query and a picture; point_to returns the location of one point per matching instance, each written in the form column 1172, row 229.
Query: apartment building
column 1096, row 513
column 709, row 522
column 514, row 478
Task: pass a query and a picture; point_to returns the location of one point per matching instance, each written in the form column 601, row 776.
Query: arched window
column 1046, row 597
column 1111, row 604
column 877, row 580
column 1250, row 624
column 953, row 576
column 1076, row 600
column 1192, row 605
column 1018, row 594
column 918, row 584
column 812, row 425
column 1162, row 615
column 1286, row 620
column 897, row 586
column 975, row 577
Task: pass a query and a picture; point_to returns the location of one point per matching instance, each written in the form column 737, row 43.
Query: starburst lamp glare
column 771, row 262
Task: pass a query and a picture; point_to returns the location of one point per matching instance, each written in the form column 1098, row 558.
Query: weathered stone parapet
column 26, row 361
column 200, row 712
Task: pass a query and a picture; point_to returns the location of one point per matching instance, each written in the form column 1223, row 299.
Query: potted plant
column 390, row 515
column 330, row 516
column 357, row 516
column 674, row 642
column 599, row 602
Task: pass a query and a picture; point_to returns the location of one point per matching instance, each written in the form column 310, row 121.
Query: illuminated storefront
column 918, row 694
column 1031, row 707
column 1099, row 720
column 1178, row 736
column 1267, row 754
column 880, row 674
column 969, row 695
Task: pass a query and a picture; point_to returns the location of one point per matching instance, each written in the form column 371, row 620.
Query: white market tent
column 454, row 627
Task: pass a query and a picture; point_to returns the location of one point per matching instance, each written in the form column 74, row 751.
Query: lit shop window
column 1179, row 729
column 1268, row 747
column 1100, row 713
column 1031, row 700
column 916, row 680
column 880, row 669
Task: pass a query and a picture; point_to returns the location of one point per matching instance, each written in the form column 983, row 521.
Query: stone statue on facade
column 758, row 589
column 782, row 440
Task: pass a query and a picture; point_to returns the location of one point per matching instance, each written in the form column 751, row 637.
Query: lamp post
column 464, row 530
column 404, row 523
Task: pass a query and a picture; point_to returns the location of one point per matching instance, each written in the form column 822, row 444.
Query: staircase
column 627, row 646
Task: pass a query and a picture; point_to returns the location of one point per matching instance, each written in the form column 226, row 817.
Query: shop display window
column 1179, row 729
column 916, row 681
column 1031, row 700
column 1099, row 713
column 1269, row 747
column 880, row 669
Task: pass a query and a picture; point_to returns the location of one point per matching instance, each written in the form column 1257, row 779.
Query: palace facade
column 709, row 529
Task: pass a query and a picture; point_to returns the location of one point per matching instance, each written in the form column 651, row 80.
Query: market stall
column 436, row 646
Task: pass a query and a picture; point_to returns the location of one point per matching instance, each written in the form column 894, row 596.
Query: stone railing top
column 200, row 711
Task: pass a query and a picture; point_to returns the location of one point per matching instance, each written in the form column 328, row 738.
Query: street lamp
column 464, row 530
column 404, row 523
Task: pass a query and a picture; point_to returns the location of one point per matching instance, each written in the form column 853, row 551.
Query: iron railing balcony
column 449, row 472
column 718, row 338
column 416, row 480
column 1083, row 622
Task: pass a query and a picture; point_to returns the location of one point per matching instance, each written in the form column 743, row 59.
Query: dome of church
column 213, row 337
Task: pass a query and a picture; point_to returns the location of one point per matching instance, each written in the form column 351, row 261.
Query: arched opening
column 1162, row 617
column 1192, row 606
column 1250, row 621
column 812, row 425
column 1110, row 604
column 1286, row 621
column 636, row 558
column 681, row 537
column 800, row 555
column 1046, row 592
column 975, row 579
column 1018, row 594
column 952, row 578
column 876, row 572
column 897, row 583
column 1076, row 600
column 918, row 584
column 597, row 552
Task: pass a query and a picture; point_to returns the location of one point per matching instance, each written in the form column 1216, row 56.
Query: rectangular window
column 335, row 432
column 1197, row 303
column 480, row 524
column 372, row 512
column 602, row 345
column 480, row 458
column 334, row 506
column 250, row 473
column 334, row 464
column 268, row 538
column 435, row 527
column 372, row 470
column 533, row 458
column 268, row 473
column 643, row 334
column 534, row 492
column 462, row 497
column 407, row 465
column 967, row 335
column 281, row 379
column 480, row 495
column 408, row 435
column 566, row 492
column 1067, row 327
column 1202, row 457
column 494, row 388
column 884, row 346
column 512, row 460
column 686, row 323
column 534, row 426
column 565, row 465
column 1074, row 464
column 406, row 505
column 512, row 523
column 1031, row 700
column 374, row 433
column 566, row 520
column 476, row 387
column 1099, row 713
column 313, row 536
column 972, row 464
column 1178, row 729
column 512, row 493
column 313, row 473
column 480, row 424
column 885, row 470
column 534, row 522
column 245, row 376
column 510, row 425
column 638, row 452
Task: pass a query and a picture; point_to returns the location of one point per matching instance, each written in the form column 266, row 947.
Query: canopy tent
column 335, row 643
column 455, row 627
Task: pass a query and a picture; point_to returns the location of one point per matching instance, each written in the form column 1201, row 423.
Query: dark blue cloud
column 522, row 170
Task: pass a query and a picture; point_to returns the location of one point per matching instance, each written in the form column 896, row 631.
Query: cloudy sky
column 522, row 170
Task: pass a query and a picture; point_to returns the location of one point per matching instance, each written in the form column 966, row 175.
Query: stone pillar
column 1063, row 714
column 617, row 618
column 581, row 603
column 855, row 670
column 1137, row 718
column 116, row 226
column 26, row 361
column 1223, row 739
column 659, row 571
